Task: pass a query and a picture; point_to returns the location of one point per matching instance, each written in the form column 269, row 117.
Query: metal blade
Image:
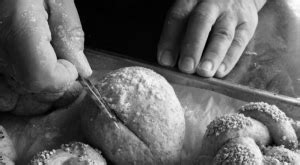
column 97, row 97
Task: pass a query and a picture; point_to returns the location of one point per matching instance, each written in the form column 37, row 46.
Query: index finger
column 172, row 31
column 67, row 34
column 199, row 26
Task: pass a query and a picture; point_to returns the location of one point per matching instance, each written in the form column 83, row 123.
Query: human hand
column 207, row 36
column 42, row 42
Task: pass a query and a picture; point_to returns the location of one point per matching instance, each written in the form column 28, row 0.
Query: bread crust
column 242, row 150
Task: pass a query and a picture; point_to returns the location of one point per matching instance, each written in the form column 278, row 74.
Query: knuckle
column 181, row 9
column 62, row 31
column 67, row 38
column 206, row 11
column 241, row 38
column 190, row 46
column 76, row 36
column 213, row 55
column 203, row 15
column 177, row 14
column 238, row 42
column 223, row 33
column 230, row 59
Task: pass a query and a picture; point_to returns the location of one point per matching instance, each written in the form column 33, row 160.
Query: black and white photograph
column 132, row 82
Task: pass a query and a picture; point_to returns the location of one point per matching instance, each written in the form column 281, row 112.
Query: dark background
column 128, row 27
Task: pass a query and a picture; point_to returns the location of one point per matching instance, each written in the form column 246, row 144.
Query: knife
column 98, row 99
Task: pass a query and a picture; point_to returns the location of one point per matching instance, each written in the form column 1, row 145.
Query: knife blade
column 98, row 99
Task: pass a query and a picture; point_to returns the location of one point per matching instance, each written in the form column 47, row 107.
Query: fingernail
column 83, row 67
column 166, row 58
column 222, row 68
column 206, row 66
column 187, row 64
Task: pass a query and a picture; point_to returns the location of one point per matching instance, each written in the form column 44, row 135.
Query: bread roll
column 278, row 123
column 150, row 124
column 227, row 127
column 75, row 153
column 240, row 151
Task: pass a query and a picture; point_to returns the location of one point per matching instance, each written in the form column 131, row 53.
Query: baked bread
column 75, row 153
column 259, row 134
column 278, row 123
column 242, row 150
column 150, row 123
column 228, row 127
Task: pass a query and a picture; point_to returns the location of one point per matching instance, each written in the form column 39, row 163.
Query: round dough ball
column 75, row 153
column 149, row 126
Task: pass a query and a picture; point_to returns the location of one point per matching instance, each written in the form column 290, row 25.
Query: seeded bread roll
column 150, row 124
column 7, row 148
column 243, row 151
column 278, row 123
column 227, row 127
column 75, row 153
column 281, row 155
